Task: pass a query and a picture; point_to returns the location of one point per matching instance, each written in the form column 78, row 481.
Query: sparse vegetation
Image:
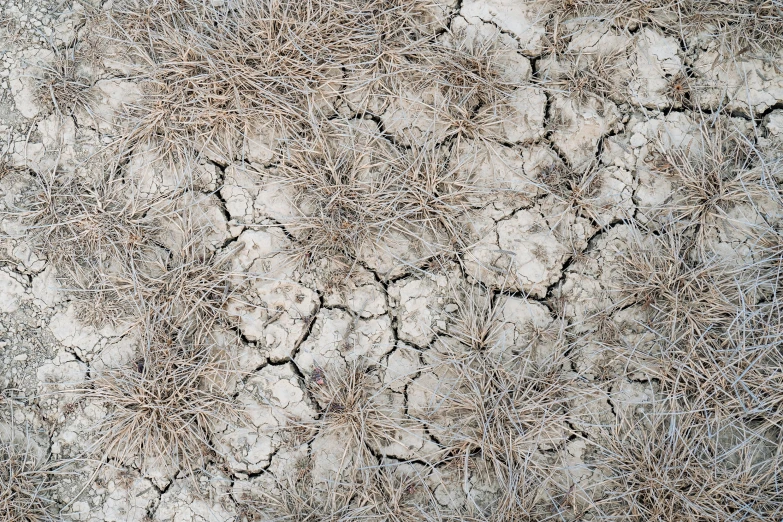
column 355, row 191
column 26, row 481
column 352, row 409
column 740, row 26
column 281, row 61
column 689, row 467
column 61, row 85
column 165, row 406
column 637, row 377
column 720, row 171
column 499, row 410
column 585, row 76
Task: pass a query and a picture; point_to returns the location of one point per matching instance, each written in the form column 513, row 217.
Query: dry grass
column 500, row 409
column 297, row 503
column 715, row 320
column 354, row 190
column 91, row 233
column 164, row 407
column 739, row 26
column 685, row 301
column 576, row 189
column 351, row 406
column 61, row 86
column 314, row 72
column 208, row 72
column 106, row 245
column 87, row 228
column 716, row 325
column 26, row 481
column 475, row 77
column 504, row 417
column 470, row 72
column 683, row 466
column 393, row 492
column 191, row 287
column 397, row 494
column 683, row 296
column 679, row 88
column 585, row 76
column 716, row 173
column 210, row 75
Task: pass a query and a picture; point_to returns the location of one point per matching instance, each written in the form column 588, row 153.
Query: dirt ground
column 395, row 260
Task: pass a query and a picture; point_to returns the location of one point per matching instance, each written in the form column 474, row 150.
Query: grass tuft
column 355, row 192
column 61, row 86
column 670, row 467
column 26, row 481
column 499, row 409
column 165, row 407
column 352, row 407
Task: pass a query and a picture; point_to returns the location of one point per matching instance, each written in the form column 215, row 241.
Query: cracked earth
column 423, row 299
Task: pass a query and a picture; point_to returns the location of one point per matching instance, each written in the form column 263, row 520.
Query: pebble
column 638, row 140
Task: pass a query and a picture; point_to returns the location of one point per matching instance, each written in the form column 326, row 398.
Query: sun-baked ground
column 391, row 260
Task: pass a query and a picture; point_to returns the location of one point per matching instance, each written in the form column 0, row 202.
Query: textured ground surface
column 475, row 260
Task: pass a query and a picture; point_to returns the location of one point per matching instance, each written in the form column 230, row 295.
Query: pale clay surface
column 524, row 241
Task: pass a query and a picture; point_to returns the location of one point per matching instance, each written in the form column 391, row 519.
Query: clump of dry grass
column 500, row 408
column 208, row 71
column 469, row 72
column 577, row 189
column 679, row 88
column 351, row 402
column 344, row 186
column 107, row 248
column 723, row 171
column 190, row 287
column 476, row 80
column 740, row 26
column 91, row 233
column 507, row 414
column 393, row 491
column 296, row 500
column 477, row 321
column 585, row 76
column 87, row 228
column 683, row 466
column 684, row 296
column 61, row 85
column 165, row 406
column 716, row 324
column 355, row 190
column 26, row 480
column 627, row 15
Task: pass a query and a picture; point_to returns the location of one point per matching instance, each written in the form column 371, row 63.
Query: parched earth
column 391, row 260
